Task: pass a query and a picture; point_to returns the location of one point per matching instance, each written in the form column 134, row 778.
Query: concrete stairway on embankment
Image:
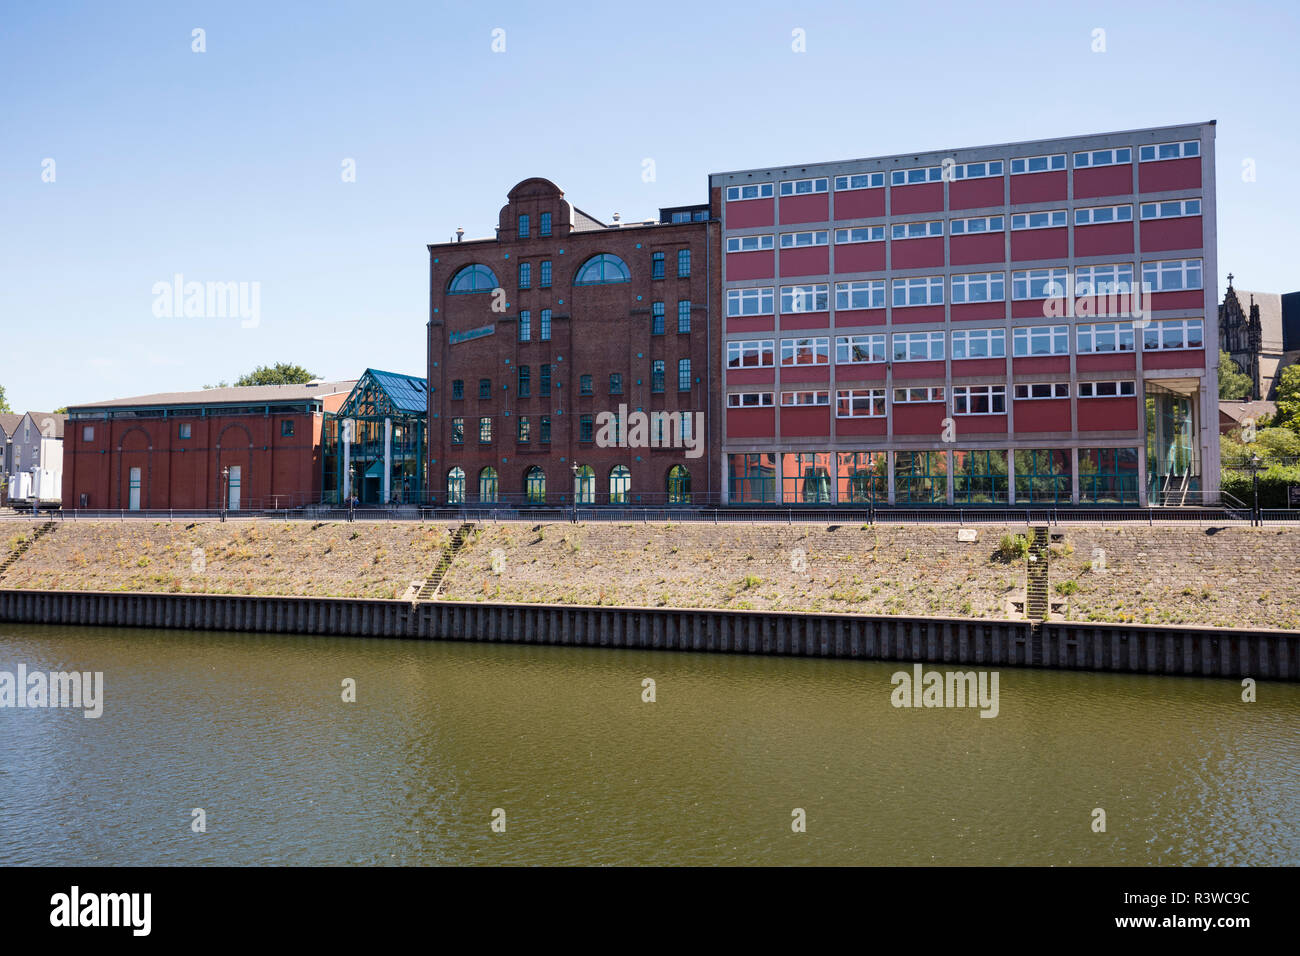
column 24, row 546
column 433, row 584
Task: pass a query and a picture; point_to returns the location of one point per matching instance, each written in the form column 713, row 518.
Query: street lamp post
column 225, row 490
column 574, row 465
column 1256, row 465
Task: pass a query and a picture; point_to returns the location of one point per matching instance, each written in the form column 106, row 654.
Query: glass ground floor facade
column 955, row 476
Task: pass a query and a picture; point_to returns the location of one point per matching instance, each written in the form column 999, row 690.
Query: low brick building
column 568, row 342
column 251, row 447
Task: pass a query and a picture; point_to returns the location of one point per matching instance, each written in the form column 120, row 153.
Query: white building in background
column 33, row 458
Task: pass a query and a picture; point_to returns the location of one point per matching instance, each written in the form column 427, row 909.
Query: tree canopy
column 281, row 373
column 1233, row 382
column 4, row 402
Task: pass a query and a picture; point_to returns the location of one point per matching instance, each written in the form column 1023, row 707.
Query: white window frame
column 739, row 400
column 994, row 341
column 847, row 401
column 1124, row 388
column 873, row 181
column 761, row 191
column 1049, row 163
column 932, row 286
column 1155, row 272
column 924, row 229
column 962, row 395
column 993, row 284
column 1183, row 326
column 1159, row 210
column 1059, row 275
column 1023, row 221
column 963, row 170
column 764, row 243
column 819, row 292
column 1024, row 391
column 1089, row 215
column 818, row 184
column 1091, row 330
column 855, row 234
column 738, row 299
column 873, row 288
column 933, row 342
column 1104, row 279
column 1108, row 157
column 740, row 348
column 1187, row 149
column 1058, row 336
column 805, row 398
column 918, row 395
column 963, row 227
column 872, row 342
column 795, row 240
column 903, row 177
column 820, row 347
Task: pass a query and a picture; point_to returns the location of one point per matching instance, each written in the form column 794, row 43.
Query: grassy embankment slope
column 1234, row 576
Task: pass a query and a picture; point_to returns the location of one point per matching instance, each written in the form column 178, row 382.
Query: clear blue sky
column 226, row 165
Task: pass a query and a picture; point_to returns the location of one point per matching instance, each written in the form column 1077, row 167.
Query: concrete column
column 388, row 459
column 346, row 427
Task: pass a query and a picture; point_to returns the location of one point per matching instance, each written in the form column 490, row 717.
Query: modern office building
column 967, row 325
column 252, row 447
column 570, row 357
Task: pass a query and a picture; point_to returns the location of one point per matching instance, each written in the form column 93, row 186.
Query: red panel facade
column 860, row 257
column 1040, row 187
column 810, row 261
column 860, row 203
column 814, row 208
column 1103, row 181
column 1104, row 239
column 1028, row 245
column 916, row 253
column 972, row 250
column 746, row 213
column 976, row 193
column 1108, row 414
column 1170, row 174
column 923, row 197
column 1160, row 235
column 750, row 265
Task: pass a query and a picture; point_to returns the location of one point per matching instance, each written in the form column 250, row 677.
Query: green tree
column 281, row 373
column 4, row 402
column 1233, row 382
column 1288, row 399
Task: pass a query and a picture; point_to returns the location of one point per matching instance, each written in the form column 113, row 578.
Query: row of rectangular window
column 1170, row 275
column 1086, row 159
column 1027, row 341
column 966, row 399
column 586, row 429
column 1020, row 222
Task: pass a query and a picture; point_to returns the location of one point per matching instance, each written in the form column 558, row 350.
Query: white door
column 234, row 488
column 135, row 490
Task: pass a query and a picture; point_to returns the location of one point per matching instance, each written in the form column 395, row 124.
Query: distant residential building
column 8, row 425
column 249, row 447
column 33, row 457
column 1261, row 331
column 1233, row 414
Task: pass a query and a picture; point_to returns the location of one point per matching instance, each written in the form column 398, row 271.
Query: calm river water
column 253, row 730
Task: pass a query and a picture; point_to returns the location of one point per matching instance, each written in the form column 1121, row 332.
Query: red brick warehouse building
column 250, row 447
column 562, row 324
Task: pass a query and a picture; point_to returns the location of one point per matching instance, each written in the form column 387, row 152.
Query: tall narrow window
column 684, row 375
column 683, row 263
column 523, row 227
column 525, row 275
column 546, row 325
column 485, row 388
column 524, row 374
column 584, row 385
column 657, row 266
column 544, row 225
column 525, row 325
column 657, row 375
column 656, row 318
column 544, row 385
column 544, row 429
column 615, row 383
column 458, row 388
column 684, row 316
column 545, row 280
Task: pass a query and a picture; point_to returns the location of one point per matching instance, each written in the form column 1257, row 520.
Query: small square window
column 88, row 433
column 286, row 428
column 183, row 430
